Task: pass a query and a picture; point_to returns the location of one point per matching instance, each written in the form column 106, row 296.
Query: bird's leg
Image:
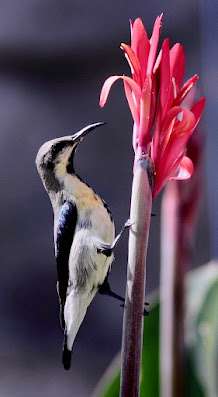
column 128, row 223
column 105, row 289
column 107, row 249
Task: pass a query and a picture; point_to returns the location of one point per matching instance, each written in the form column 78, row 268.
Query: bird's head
column 55, row 158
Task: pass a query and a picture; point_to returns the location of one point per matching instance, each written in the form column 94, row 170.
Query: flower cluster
column 162, row 126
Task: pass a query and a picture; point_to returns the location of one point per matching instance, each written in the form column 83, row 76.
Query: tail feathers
column 66, row 357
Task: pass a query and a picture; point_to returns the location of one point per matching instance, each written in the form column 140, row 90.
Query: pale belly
column 87, row 267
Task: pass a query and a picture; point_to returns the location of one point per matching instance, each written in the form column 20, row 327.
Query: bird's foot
column 105, row 289
column 144, row 313
column 107, row 249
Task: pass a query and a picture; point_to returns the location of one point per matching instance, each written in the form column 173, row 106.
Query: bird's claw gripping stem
column 107, row 249
column 144, row 313
column 127, row 224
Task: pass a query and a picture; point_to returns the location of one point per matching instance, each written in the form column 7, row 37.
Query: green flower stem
column 140, row 214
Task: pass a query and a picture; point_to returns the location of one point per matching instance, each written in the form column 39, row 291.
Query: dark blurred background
column 54, row 58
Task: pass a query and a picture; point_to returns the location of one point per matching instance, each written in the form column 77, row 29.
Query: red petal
column 186, row 124
column 166, row 86
column 140, row 45
column 154, row 43
column 173, row 149
column 197, row 110
column 165, row 72
column 131, row 102
column 163, row 174
column 160, row 131
column 157, row 62
column 110, row 81
column 145, row 109
column 169, row 118
column 177, row 63
column 172, row 158
column 185, row 90
column 186, row 169
column 153, row 102
column 169, row 151
column 133, row 62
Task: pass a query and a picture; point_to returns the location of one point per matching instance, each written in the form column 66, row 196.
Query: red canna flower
column 162, row 126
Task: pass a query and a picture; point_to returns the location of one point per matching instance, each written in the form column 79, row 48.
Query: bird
column 84, row 234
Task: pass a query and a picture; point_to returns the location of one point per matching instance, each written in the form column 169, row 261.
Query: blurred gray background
column 54, row 58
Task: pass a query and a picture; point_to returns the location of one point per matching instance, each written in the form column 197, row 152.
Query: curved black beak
column 80, row 134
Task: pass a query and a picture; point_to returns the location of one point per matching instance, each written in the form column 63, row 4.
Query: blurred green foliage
column 201, row 342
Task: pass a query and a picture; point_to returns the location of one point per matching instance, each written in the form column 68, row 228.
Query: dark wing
column 65, row 233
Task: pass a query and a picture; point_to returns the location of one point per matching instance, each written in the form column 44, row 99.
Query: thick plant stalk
column 170, row 308
column 140, row 215
column 180, row 208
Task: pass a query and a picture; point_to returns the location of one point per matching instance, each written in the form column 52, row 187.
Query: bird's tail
column 74, row 311
column 66, row 356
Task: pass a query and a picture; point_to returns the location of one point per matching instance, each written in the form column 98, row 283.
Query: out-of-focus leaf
column 109, row 385
column 201, row 341
column 193, row 386
column 150, row 354
column 202, row 330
